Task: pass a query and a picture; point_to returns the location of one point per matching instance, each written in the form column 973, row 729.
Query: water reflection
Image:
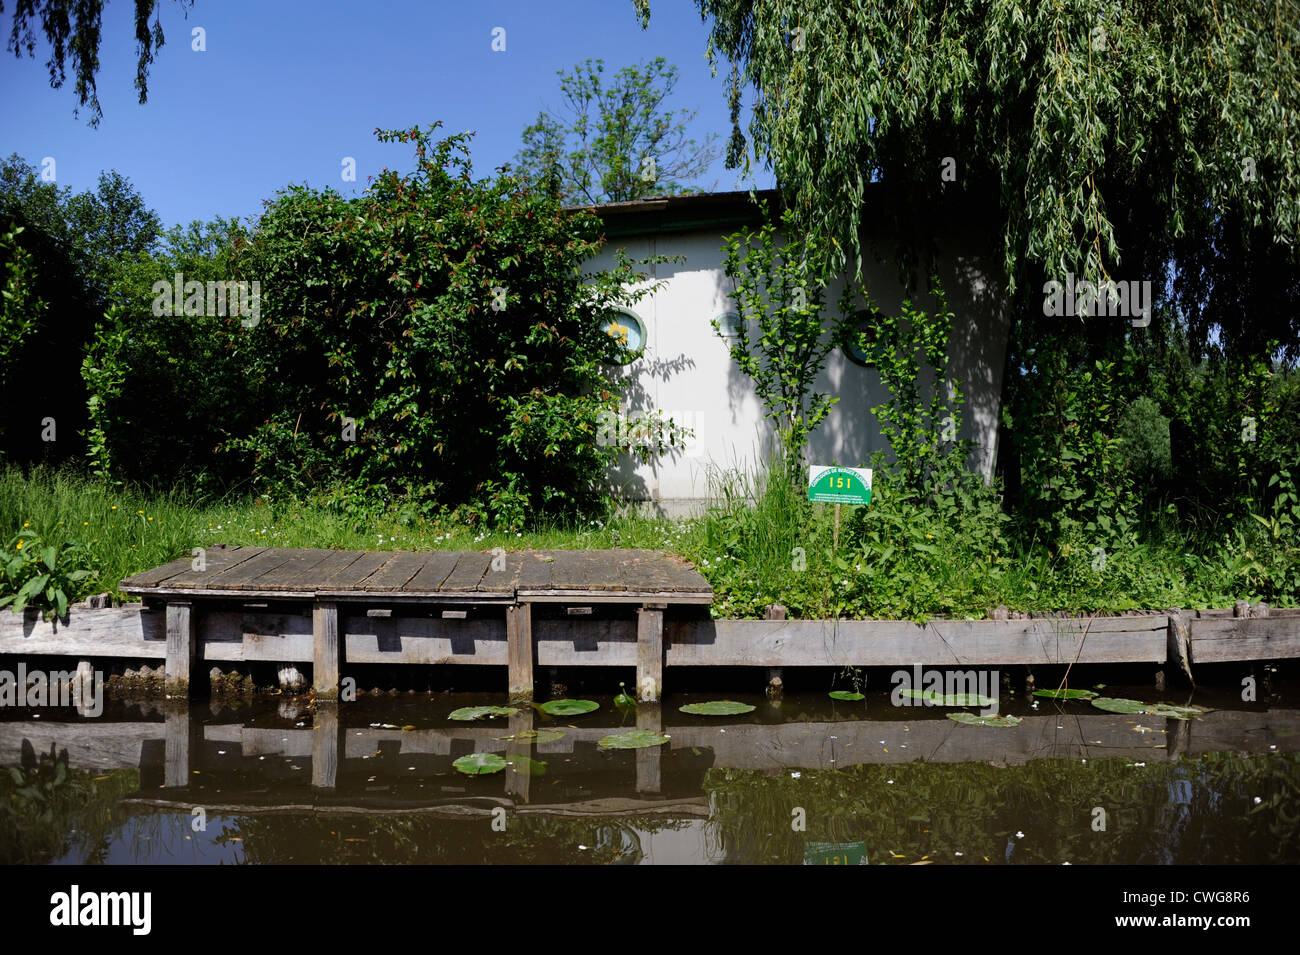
column 806, row 782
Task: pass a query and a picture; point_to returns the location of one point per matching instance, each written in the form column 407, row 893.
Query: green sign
column 831, row 485
column 835, row 853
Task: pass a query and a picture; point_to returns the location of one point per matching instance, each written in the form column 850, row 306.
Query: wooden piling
column 649, row 759
column 650, row 653
column 519, row 650
column 182, row 649
column 327, row 655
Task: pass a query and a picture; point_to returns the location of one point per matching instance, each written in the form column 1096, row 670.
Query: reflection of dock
column 329, row 756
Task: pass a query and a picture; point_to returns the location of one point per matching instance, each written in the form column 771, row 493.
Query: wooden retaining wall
column 228, row 636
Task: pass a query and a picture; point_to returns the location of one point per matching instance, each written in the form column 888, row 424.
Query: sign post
column 828, row 484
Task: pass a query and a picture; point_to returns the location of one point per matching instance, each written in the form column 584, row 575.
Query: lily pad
column 845, row 695
column 948, row 699
column 481, row 712
column 1066, row 694
column 535, row 736
column 717, row 708
column 480, row 764
column 634, row 739
column 525, row 765
column 570, row 707
column 970, row 719
column 1138, row 708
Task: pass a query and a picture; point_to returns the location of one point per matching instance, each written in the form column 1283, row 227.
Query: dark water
column 803, row 780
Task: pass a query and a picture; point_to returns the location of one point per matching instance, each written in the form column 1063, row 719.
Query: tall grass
column 759, row 541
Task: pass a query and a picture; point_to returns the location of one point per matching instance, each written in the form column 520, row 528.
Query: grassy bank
column 757, row 544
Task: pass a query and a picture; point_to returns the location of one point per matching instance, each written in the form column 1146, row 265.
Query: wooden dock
column 625, row 608
column 454, row 584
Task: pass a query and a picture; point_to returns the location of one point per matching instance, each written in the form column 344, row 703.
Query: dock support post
column 775, row 681
column 182, row 649
column 328, row 654
column 326, row 745
column 649, row 759
column 1178, row 653
column 650, row 653
column 519, row 650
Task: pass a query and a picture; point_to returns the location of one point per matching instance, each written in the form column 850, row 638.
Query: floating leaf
column 1138, row 708
column 480, row 712
column 970, row 719
column 932, row 698
column 717, row 708
column 634, row 739
column 525, row 765
column 570, row 707
column 1066, row 694
column 479, row 764
column 845, row 695
column 535, row 736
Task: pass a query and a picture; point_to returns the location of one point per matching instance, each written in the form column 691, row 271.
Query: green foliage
column 434, row 340
column 479, row 764
column 21, row 307
column 1144, row 440
column 633, row 739
column 614, row 143
column 42, row 575
column 569, row 707
column 717, row 708
column 1156, row 133
column 73, row 32
column 775, row 272
column 481, row 712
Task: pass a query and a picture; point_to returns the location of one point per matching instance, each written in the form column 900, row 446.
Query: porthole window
column 729, row 325
column 623, row 326
column 864, row 322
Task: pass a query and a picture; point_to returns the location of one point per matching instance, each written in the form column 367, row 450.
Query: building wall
column 687, row 372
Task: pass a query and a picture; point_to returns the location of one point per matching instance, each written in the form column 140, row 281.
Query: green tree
column 614, row 142
column 1114, row 134
column 73, row 33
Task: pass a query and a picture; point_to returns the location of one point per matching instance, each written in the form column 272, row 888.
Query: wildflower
column 20, row 544
column 115, row 507
column 27, row 523
column 85, row 523
column 139, row 512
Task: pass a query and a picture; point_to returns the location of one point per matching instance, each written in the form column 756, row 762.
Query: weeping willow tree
column 1141, row 139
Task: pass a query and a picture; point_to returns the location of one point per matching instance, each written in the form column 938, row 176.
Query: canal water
column 805, row 779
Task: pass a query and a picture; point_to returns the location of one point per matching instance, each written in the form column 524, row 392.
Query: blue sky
column 287, row 88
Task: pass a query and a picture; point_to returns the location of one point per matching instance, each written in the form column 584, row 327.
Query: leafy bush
column 42, row 576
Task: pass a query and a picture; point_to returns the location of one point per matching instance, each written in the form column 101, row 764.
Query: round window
column 865, row 324
column 628, row 331
column 729, row 325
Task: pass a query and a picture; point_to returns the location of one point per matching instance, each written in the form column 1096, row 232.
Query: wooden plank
column 536, row 572
column 437, row 568
column 468, row 573
column 179, row 753
column 343, row 576
column 396, row 572
column 650, row 654
column 129, row 631
column 182, row 648
column 180, row 572
column 503, row 580
column 238, row 576
column 519, row 650
column 425, row 641
column 299, row 561
column 898, row 643
column 581, row 642
column 572, row 571
column 649, row 759
column 328, row 647
column 1244, row 638
column 337, row 562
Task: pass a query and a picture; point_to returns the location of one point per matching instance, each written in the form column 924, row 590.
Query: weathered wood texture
column 135, row 633
column 327, row 647
column 650, row 654
column 772, row 643
column 1252, row 638
column 618, row 575
column 182, row 644
column 519, row 651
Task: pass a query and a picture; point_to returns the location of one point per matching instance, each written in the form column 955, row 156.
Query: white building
column 685, row 369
